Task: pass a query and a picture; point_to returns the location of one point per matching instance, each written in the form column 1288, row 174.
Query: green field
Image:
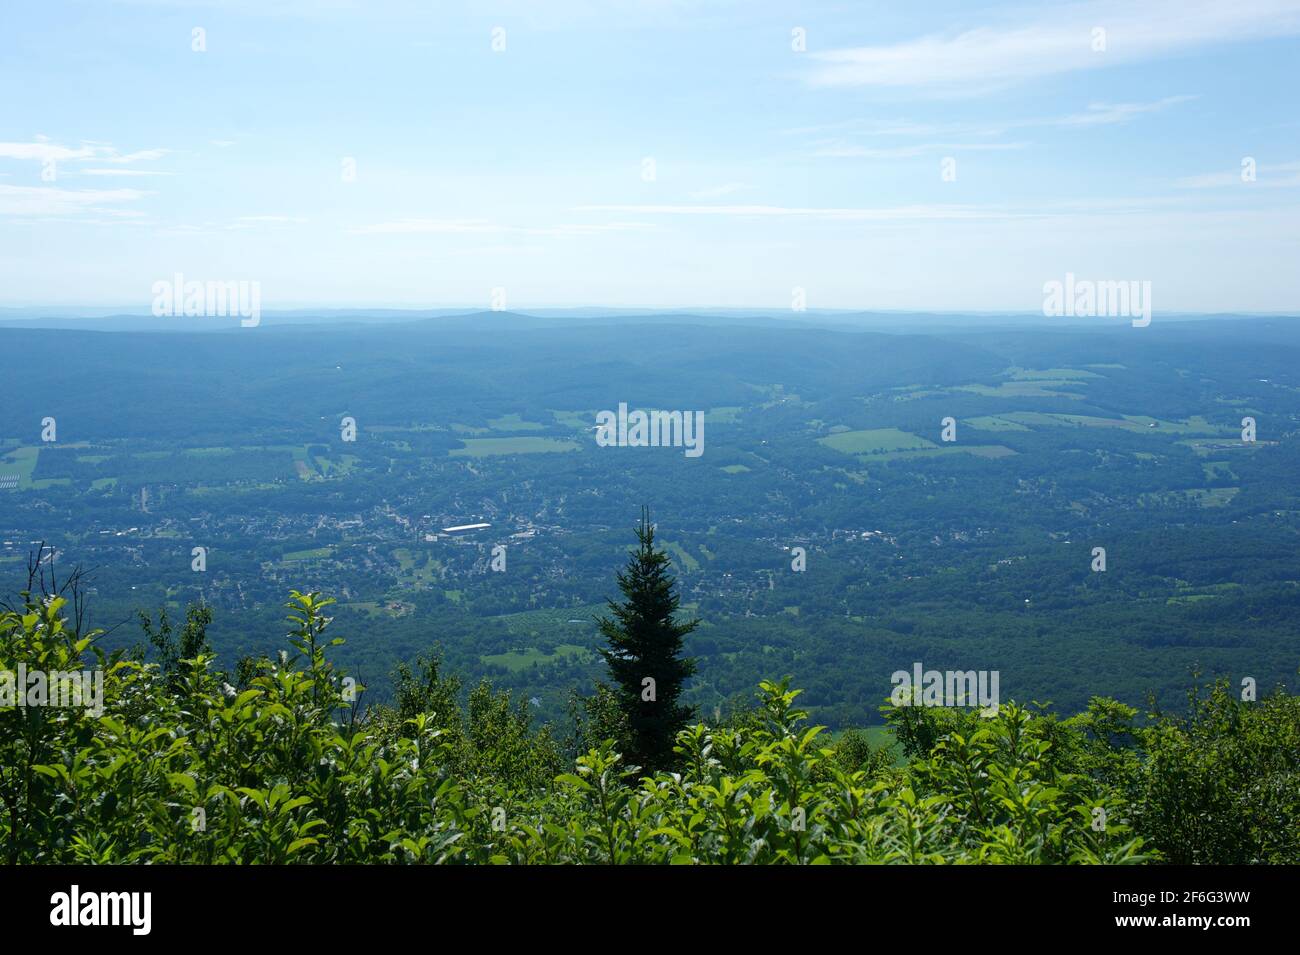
column 576, row 420
column 332, row 468
column 419, row 567
column 1200, row 496
column 1205, row 448
column 1193, row 425
column 315, row 553
column 552, row 625
column 485, row 447
column 978, row 450
column 995, row 423
column 415, row 427
column 206, row 490
column 20, row 461
column 512, row 422
column 522, row 659
column 1050, row 374
column 390, row 608
column 1036, row 388
column 681, row 558
column 207, row 452
column 1137, row 423
column 874, row 441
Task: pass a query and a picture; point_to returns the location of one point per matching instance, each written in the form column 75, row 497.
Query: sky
column 651, row 153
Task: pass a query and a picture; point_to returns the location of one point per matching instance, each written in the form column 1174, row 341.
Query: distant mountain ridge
column 130, row 319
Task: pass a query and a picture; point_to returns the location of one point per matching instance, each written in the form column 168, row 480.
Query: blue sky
column 126, row 156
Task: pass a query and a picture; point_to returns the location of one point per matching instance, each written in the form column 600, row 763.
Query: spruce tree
column 645, row 653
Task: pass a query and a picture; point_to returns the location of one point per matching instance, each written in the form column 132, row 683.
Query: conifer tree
column 645, row 653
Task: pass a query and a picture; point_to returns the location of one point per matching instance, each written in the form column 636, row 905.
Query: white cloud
column 717, row 192
column 589, row 228
column 851, row 151
column 123, row 172
column 883, row 127
column 448, row 226
column 51, row 201
column 1093, row 114
column 187, row 229
column 914, row 212
column 1100, row 114
column 1102, row 207
column 978, row 136
column 252, row 220
column 483, row 227
column 44, row 151
column 1276, row 175
column 991, row 56
column 143, row 155
column 41, row 149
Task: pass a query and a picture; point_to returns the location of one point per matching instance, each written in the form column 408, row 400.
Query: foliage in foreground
column 184, row 767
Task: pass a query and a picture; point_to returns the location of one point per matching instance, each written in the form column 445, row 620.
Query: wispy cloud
column 1015, row 50
column 1093, row 114
column 911, row 212
column 269, row 220
column 143, row 155
column 1104, row 114
column 851, row 151
column 446, row 226
column 42, row 150
column 483, row 227
column 51, row 201
column 1100, row 207
column 979, row 136
column 718, row 192
column 123, row 172
column 1275, row 175
column 187, row 229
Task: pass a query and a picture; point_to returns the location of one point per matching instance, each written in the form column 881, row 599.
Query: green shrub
column 184, row 767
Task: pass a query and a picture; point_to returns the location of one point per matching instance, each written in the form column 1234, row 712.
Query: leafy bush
column 184, row 767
